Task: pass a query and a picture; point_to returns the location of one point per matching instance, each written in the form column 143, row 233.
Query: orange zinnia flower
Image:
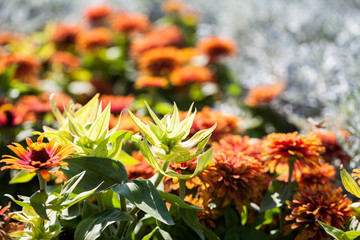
column 191, row 74
column 92, row 39
column 169, row 36
column 208, row 215
column 171, row 6
column 159, row 61
column 97, row 14
column 39, row 156
column 8, row 37
column 333, row 149
column 236, row 177
column 356, row 174
column 27, row 66
column 215, row 47
column 13, row 115
column 206, row 118
column 279, row 148
column 141, row 170
column 65, row 35
column 41, row 103
column 118, row 103
column 236, row 143
column 6, row 226
column 317, row 202
column 263, row 94
column 151, row 82
column 65, row 59
column 128, row 22
column 322, row 174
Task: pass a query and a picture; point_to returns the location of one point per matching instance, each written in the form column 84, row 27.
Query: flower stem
column 182, row 188
column 122, row 224
column 292, row 160
column 161, row 176
column 42, row 182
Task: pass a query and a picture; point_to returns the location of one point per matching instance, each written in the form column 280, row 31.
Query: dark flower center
column 39, row 153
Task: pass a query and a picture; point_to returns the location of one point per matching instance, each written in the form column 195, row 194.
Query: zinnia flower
column 41, row 103
column 333, row 149
column 39, row 156
column 191, row 74
column 208, row 215
column 236, row 143
column 68, row 60
column 13, row 115
column 141, row 170
column 159, row 61
column 322, row 174
column 263, row 94
column 93, row 39
column 236, row 177
column 356, row 174
column 128, row 22
column 171, row 6
column 118, row 103
column 27, row 66
column 6, row 226
column 151, row 82
column 8, row 37
column 215, row 47
column 281, row 148
column 169, row 36
column 97, row 15
column 317, row 202
column 65, row 35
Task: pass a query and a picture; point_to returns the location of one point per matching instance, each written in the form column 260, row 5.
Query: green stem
column 161, row 176
column 42, row 182
column 100, row 201
column 122, row 224
column 182, row 188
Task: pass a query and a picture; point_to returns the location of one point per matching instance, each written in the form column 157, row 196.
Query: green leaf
column 100, row 127
column 98, row 170
column 277, row 194
column 165, row 234
column 83, row 113
column 22, row 176
column 25, row 203
column 349, row 183
column 75, row 127
column 332, row 231
column 126, row 159
column 37, row 201
column 231, row 217
column 350, row 235
column 111, row 199
column 92, row 227
column 190, row 217
column 149, row 236
column 144, row 195
column 175, row 200
column 210, row 235
column 159, row 124
column 198, row 137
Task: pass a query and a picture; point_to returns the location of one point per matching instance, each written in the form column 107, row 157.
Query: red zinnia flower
column 143, row 169
column 65, row 35
column 215, row 47
column 65, row 59
column 118, row 103
column 263, row 94
column 92, row 39
column 128, row 22
column 305, row 150
column 97, row 14
column 151, row 82
column 39, row 156
column 191, row 74
column 317, row 202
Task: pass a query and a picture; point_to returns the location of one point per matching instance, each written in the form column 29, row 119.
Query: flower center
column 38, row 152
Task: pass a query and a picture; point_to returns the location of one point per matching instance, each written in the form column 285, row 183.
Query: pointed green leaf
column 126, row 159
column 100, row 127
column 174, row 120
column 349, row 183
column 145, row 130
column 350, row 235
column 144, row 195
column 24, row 203
column 198, row 137
column 22, row 176
column 332, row 231
column 37, row 201
column 149, row 236
column 76, row 128
column 91, row 228
column 83, row 113
column 155, row 118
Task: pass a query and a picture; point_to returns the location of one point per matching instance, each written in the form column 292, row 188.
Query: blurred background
column 313, row 46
